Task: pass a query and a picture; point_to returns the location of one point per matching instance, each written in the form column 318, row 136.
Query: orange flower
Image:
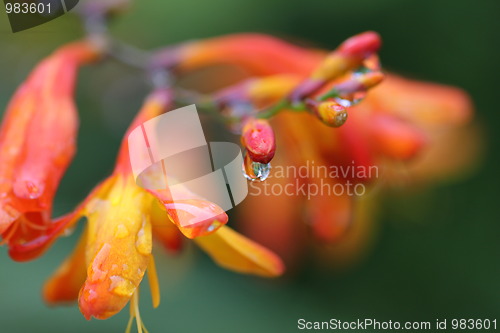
column 37, row 141
column 396, row 129
column 114, row 253
column 392, row 127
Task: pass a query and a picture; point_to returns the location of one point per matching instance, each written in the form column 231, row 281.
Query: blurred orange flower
column 37, row 141
column 395, row 128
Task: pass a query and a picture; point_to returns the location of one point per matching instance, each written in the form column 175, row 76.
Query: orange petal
column 164, row 230
column 193, row 216
column 421, row 103
column 23, row 249
column 64, row 285
column 259, row 54
column 274, row 220
column 38, row 133
column 118, row 248
column 331, row 216
column 395, row 138
column 235, row 252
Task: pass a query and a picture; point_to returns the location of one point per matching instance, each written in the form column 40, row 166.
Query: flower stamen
column 153, row 282
column 134, row 313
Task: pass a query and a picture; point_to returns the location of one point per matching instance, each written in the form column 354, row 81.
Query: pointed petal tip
column 235, row 252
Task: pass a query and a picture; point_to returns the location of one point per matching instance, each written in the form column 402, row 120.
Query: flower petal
column 235, row 252
column 259, row 54
column 118, row 248
column 64, row 285
column 164, row 230
column 37, row 137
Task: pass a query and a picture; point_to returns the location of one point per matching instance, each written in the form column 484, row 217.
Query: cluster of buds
column 326, row 91
column 340, row 81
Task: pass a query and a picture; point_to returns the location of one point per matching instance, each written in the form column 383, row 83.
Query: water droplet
column 121, row 286
column 97, row 272
column 28, row 189
column 255, row 171
column 143, row 244
column 97, row 275
column 344, row 102
column 121, row 231
column 358, row 97
column 90, row 295
column 69, row 231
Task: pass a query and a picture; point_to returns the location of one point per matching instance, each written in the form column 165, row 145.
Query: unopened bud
column 359, row 82
column 258, row 139
column 361, row 46
column 330, row 113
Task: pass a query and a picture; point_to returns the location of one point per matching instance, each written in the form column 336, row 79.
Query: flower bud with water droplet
column 330, row 113
column 258, row 138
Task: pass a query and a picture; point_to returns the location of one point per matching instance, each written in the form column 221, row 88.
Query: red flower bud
column 258, row 138
column 362, row 45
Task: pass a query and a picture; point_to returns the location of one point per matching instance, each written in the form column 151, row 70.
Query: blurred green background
column 436, row 255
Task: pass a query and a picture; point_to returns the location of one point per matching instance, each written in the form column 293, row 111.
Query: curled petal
column 24, row 248
column 195, row 217
column 38, row 134
column 238, row 253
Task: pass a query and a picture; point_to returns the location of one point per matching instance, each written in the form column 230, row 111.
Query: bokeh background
column 436, row 253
